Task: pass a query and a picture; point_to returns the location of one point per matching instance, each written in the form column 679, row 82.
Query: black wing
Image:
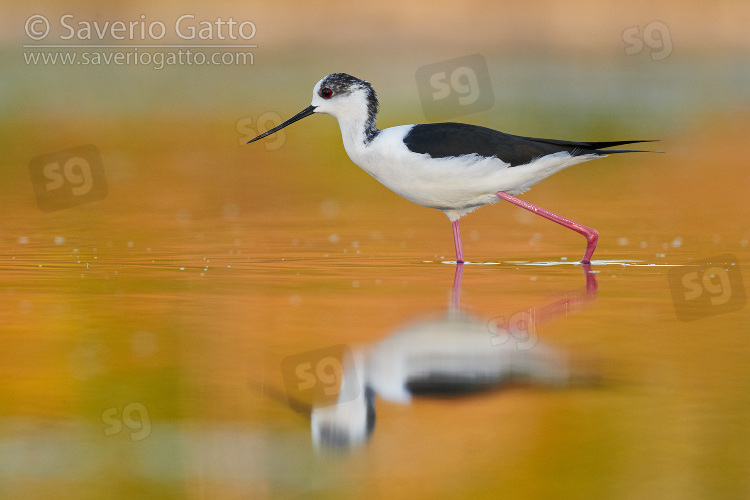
column 441, row 140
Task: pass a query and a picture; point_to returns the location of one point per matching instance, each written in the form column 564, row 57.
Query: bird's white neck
column 358, row 128
column 357, row 135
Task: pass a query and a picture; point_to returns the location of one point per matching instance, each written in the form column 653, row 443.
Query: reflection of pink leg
column 572, row 301
column 457, row 242
column 591, row 284
column 591, row 235
column 456, row 291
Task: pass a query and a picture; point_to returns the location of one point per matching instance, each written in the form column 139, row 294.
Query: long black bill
column 305, row 112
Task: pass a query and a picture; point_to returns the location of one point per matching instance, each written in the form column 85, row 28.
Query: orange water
column 178, row 297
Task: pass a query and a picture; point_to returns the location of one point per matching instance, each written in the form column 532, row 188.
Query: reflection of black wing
column 453, row 384
column 370, row 399
column 440, row 140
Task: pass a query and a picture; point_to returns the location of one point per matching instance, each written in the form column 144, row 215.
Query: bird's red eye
column 326, row 93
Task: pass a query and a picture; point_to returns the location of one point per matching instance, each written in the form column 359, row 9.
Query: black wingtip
column 608, row 151
column 609, row 144
column 600, row 147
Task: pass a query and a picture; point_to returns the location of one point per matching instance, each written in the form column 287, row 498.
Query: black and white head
column 342, row 96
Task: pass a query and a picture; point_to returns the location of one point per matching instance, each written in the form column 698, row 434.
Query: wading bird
column 453, row 167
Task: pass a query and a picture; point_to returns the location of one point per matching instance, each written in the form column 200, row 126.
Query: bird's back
column 441, row 140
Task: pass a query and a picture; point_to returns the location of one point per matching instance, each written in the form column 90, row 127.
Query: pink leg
column 591, row 235
column 457, row 242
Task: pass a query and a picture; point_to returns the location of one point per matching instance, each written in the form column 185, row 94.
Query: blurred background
column 158, row 274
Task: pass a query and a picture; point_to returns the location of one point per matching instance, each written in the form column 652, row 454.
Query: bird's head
column 341, row 96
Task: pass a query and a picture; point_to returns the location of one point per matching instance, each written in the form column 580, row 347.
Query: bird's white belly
column 453, row 184
column 447, row 183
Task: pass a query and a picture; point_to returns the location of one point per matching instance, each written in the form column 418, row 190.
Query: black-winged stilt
column 453, row 167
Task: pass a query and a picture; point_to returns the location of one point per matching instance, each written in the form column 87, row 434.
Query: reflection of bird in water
column 451, row 356
column 447, row 357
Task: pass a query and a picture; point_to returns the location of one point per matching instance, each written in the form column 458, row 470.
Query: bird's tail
column 594, row 147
